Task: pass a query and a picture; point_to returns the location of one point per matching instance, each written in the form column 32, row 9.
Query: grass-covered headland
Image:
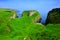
column 28, row 27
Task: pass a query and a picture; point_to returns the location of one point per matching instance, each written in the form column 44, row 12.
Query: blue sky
column 43, row 6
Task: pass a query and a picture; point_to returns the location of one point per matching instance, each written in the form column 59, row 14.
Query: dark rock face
column 53, row 16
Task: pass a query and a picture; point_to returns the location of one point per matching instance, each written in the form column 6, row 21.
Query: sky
column 43, row 6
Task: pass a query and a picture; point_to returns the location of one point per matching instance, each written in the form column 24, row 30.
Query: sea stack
column 33, row 14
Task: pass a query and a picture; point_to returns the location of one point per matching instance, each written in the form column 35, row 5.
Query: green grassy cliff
column 33, row 15
column 27, row 27
column 6, row 15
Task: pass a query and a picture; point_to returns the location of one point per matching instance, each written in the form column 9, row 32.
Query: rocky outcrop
column 7, row 14
column 28, row 13
column 53, row 16
column 14, row 15
column 33, row 14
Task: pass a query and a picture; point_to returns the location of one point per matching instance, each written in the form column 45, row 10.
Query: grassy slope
column 52, row 32
column 5, row 15
column 19, row 28
column 24, row 27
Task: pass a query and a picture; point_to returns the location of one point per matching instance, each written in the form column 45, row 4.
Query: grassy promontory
column 6, row 15
column 33, row 15
column 28, row 27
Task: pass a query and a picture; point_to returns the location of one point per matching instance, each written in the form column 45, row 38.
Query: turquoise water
column 43, row 6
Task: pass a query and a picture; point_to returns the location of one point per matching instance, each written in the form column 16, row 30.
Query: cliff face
column 53, row 16
column 32, row 14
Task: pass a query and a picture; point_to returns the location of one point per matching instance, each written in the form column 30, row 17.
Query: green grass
column 26, row 27
column 52, row 32
column 54, row 29
column 34, row 17
column 5, row 15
